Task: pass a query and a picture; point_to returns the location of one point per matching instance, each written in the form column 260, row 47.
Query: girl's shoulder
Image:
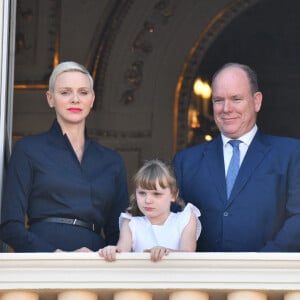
column 184, row 217
column 124, row 216
column 190, row 209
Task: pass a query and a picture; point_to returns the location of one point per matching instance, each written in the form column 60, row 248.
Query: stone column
column 19, row 295
column 249, row 295
column 292, row 296
column 77, row 295
column 190, row 295
column 132, row 295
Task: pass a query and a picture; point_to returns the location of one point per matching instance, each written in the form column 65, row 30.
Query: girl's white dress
column 145, row 235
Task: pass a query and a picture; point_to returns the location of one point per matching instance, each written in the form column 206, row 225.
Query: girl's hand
column 109, row 253
column 158, row 252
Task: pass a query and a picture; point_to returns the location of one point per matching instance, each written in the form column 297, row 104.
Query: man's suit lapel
column 215, row 159
column 254, row 156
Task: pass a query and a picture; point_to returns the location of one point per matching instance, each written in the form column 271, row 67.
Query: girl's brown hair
column 153, row 172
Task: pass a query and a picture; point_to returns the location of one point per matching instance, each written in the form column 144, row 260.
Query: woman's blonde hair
column 68, row 66
column 153, row 172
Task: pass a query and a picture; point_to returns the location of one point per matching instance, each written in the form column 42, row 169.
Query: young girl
column 149, row 225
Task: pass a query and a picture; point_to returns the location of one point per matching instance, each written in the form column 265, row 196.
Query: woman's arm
column 124, row 244
column 17, row 189
column 120, row 203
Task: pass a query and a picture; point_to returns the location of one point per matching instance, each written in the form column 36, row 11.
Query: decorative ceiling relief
column 143, row 45
column 37, row 41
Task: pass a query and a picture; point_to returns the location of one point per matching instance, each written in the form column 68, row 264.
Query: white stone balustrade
column 179, row 276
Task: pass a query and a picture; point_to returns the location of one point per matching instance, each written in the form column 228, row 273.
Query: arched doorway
column 263, row 34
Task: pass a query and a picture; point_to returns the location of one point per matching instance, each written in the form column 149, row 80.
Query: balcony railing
column 179, row 276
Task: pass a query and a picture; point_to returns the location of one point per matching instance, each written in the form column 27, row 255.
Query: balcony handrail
column 205, row 271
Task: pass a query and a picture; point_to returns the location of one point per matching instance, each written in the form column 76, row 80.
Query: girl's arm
column 124, row 244
column 125, row 241
column 188, row 241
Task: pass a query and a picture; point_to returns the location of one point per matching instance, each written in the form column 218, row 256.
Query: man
column 262, row 211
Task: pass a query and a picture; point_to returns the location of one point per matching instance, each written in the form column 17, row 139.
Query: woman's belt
column 75, row 222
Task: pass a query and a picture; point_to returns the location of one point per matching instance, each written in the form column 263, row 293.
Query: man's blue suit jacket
column 263, row 211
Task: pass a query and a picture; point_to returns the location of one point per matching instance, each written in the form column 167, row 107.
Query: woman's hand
column 109, row 253
column 83, row 249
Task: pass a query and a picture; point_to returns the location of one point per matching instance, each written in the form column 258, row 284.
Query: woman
column 70, row 189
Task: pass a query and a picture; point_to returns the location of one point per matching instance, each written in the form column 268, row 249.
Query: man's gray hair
column 251, row 74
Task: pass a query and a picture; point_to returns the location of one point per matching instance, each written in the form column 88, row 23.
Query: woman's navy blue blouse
column 45, row 179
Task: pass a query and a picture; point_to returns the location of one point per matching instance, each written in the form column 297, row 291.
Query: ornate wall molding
column 120, row 134
column 37, row 42
column 190, row 68
column 98, row 62
column 141, row 47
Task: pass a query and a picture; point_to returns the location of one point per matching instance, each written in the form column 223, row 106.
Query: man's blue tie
column 234, row 165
